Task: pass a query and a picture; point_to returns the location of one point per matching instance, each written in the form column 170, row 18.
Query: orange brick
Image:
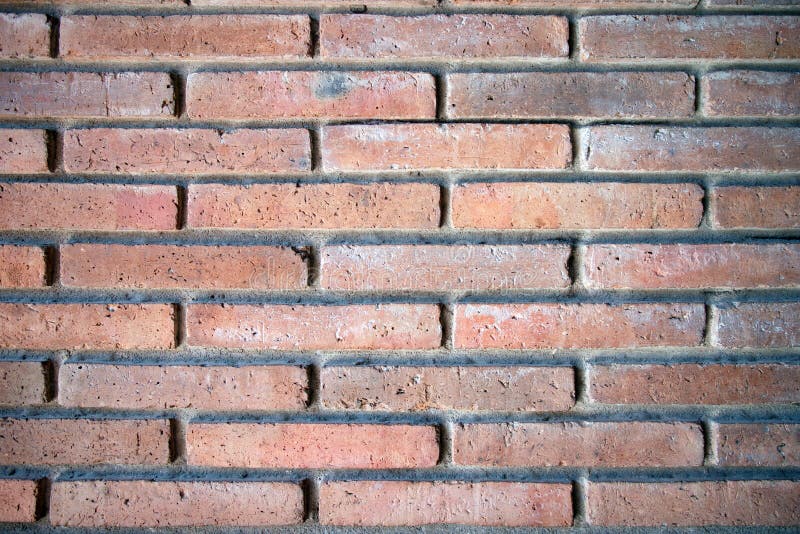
column 21, row 266
column 760, row 325
column 24, row 35
column 759, row 207
column 23, row 151
column 22, row 383
column 758, row 444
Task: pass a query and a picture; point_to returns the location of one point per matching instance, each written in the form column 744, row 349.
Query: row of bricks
column 360, row 37
column 398, row 95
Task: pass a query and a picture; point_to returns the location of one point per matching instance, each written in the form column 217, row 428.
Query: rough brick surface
column 760, row 325
column 21, row 266
column 18, row 501
column 23, row 151
column 22, row 383
column 24, row 35
column 751, row 93
column 758, row 444
column 757, row 207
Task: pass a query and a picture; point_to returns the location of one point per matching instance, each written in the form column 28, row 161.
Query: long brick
column 180, row 386
column 167, row 266
column 313, row 446
column 667, row 36
column 175, row 37
column 18, row 501
column 695, row 384
column 400, row 503
column 526, row 205
column 134, row 150
column 751, row 93
column 329, row 94
column 579, row 444
column 385, row 326
column 658, row 148
column 756, row 207
column 314, row 206
column 76, row 441
column 22, row 383
column 24, row 35
column 758, row 444
column 23, row 151
column 86, row 326
column 38, row 206
column 747, row 4
column 587, row 4
column 444, row 267
column 442, row 36
column 140, row 503
column 544, row 326
column 738, row 503
column 314, row 3
column 446, row 146
column 448, row 388
column 21, row 266
column 86, row 94
column 760, row 325
column 692, row 266
column 570, row 94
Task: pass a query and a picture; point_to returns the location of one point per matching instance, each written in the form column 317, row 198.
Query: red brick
column 741, row 502
column 446, row 146
column 140, row 503
column 21, row 266
column 18, row 501
column 333, row 206
column 312, row 446
column 657, row 148
column 571, row 94
column 211, row 36
column 39, row 206
column 448, row 388
column 383, row 326
column 86, row 326
column 568, row 326
column 378, row 36
column 745, row 4
column 668, row 36
column 167, row 266
column 692, row 266
column 24, row 35
column 579, row 444
column 86, row 94
column 21, row 383
column 751, row 93
column 314, row 3
column 391, row 503
column 587, row 4
column 760, row 325
column 166, row 387
column 758, row 445
column 756, row 207
column 328, row 94
column 444, row 267
column 695, row 384
column 23, row 151
column 526, row 205
column 107, row 150
column 68, row 441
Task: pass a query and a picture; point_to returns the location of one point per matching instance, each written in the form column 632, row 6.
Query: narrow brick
column 756, row 207
column 384, row 326
column 86, row 326
column 151, row 387
column 525, row 205
column 116, row 151
column 23, row 151
column 140, row 503
column 442, row 36
column 569, row 326
column 751, row 93
column 448, row 388
column 76, row 441
column 24, row 35
column 446, row 146
column 658, row 148
column 330, row 95
column 747, row 4
column 334, row 206
column 21, row 266
column 579, row 444
column 401, row 503
column 444, row 267
column 312, row 446
column 760, row 325
column 18, row 501
column 587, row 4
column 758, row 444
column 40, row 206
column 22, row 383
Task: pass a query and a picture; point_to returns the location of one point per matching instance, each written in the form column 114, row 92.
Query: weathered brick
column 23, row 151
column 320, row 446
column 18, row 501
column 86, row 326
column 384, row 326
column 80, row 441
column 448, row 388
column 758, row 444
column 751, row 93
column 746, row 4
column 136, row 150
column 760, row 325
column 165, row 387
column 446, row 146
column 327, row 94
column 444, row 267
column 756, row 207
column 442, row 36
column 544, row 326
column 24, row 35
column 21, row 383
column 314, row 3
column 139, row 503
column 21, row 266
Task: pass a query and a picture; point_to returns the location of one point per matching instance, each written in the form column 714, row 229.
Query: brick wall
column 389, row 263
